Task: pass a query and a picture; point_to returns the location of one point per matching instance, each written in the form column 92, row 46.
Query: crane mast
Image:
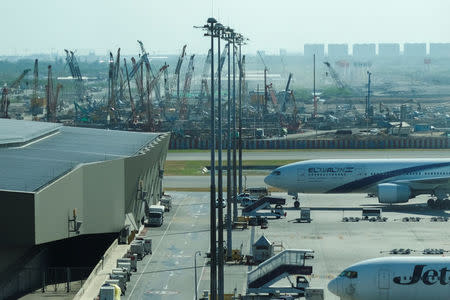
column 204, row 91
column 266, row 87
column 150, row 70
column 186, row 89
column 178, row 69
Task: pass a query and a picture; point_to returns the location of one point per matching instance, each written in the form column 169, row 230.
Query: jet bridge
column 284, row 264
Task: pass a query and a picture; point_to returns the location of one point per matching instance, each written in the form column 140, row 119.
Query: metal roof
column 33, row 165
column 16, row 131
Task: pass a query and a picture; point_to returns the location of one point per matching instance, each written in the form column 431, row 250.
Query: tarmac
column 169, row 272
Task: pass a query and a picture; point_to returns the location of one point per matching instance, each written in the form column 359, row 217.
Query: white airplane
column 395, row 278
column 392, row 180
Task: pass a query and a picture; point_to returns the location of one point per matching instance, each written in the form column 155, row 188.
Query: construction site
column 366, row 95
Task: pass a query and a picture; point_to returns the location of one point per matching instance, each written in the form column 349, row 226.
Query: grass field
column 196, row 167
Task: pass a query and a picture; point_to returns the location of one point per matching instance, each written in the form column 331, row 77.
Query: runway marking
column 156, row 250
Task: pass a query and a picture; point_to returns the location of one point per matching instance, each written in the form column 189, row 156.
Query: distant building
column 337, row 50
column 311, row 49
column 364, row 50
column 415, row 49
column 388, row 50
column 440, row 49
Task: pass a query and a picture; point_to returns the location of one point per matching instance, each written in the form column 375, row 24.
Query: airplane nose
column 333, row 286
column 268, row 180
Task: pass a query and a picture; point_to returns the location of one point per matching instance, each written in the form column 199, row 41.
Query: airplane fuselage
column 395, row 278
column 361, row 175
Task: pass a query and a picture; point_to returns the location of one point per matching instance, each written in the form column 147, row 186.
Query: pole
column 219, row 173
column 368, row 95
column 195, row 273
column 229, row 227
column 213, row 279
column 235, row 212
column 241, row 73
column 314, row 87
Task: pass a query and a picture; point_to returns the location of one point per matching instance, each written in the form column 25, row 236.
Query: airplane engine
column 393, row 193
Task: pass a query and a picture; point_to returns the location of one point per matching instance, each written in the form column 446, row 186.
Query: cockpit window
column 349, row 274
column 276, row 172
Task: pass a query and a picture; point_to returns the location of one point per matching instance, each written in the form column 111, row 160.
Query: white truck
column 156, row 215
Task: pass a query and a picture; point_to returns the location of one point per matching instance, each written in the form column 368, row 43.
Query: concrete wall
column 17, row 218
column 142, row 175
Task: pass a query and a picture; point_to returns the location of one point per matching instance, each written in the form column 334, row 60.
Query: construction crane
column 178, row 69
column 4, row 104
column 273, row 97
column 49, row 89
column 76, row 74
column 294, row 124
column 16, row 82
column 339, row 83
column 204, row 91
column 149, row 70
column 166, row 84
column 187, row 87
column 57, row 102
column 266, row 96
column 242, row 70
column 132, row 105
column 286, row 92
column 138, row 78
column 5, row 91
column 114, row 66
column 151, row 85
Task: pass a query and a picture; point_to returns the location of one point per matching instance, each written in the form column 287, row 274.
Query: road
column 315, row 154
column 168, row 273
column 184, row 182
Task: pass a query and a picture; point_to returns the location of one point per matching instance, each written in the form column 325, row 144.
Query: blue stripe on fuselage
column 373, row 179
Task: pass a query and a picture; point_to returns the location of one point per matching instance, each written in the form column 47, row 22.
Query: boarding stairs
column 284, row 264
column 253, row 209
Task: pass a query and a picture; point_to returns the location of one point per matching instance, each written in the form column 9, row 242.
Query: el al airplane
column 395, row 278
column 392, row 180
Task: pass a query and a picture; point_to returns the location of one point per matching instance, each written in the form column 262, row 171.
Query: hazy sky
column 29, row 26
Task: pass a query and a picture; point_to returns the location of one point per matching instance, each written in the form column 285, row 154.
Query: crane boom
column 186, row 89
column 149, row 69
column 204, row 91
column 19, row 79
column 339, row 83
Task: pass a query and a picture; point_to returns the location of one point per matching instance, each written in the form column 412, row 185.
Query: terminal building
column 60, row 183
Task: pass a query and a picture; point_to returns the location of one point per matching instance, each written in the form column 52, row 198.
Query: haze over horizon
column 49, row 26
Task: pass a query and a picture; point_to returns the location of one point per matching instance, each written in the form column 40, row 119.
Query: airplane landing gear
column 438, row 203
column 431, row 203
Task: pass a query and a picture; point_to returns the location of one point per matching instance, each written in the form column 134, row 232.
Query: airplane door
column 384, row 284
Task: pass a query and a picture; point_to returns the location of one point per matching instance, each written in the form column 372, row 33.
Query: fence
column 424, row 143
